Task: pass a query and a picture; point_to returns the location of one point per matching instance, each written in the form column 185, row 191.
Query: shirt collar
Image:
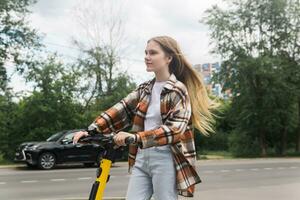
column 168, row 86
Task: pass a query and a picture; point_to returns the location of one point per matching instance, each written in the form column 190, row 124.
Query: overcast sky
column 142, row 20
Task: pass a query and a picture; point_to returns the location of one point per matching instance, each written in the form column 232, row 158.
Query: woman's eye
column 150, row 52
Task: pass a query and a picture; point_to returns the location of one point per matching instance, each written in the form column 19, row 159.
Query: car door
column 76, row 152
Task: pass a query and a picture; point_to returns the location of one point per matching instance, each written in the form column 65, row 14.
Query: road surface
column 237, row 179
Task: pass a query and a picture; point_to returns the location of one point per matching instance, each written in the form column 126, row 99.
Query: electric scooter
column 102, row 173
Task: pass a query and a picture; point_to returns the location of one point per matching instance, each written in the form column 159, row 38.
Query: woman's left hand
column 120, row 137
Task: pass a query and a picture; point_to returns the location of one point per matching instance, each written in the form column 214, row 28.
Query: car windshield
column 56, row 136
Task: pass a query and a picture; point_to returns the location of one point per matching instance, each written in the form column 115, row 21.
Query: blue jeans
column 153, row 173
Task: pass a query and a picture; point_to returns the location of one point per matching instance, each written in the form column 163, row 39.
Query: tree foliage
column 259, row 44
column 17, row 38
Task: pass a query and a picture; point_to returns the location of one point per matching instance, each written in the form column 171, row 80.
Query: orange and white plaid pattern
column 176, row 129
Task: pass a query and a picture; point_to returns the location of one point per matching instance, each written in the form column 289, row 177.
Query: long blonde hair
column 202, row 105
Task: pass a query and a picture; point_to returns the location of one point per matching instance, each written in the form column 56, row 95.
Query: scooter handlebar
column 99, row 138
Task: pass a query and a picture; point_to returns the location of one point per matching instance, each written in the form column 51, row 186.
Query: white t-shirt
column 153, row 116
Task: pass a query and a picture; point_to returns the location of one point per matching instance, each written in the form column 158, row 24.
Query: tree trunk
column 283, row 142
column 298, row 129
column 262, row 142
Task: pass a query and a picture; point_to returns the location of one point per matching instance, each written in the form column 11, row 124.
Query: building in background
column 207, row 70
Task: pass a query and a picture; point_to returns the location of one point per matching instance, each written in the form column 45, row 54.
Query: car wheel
column 46, row 160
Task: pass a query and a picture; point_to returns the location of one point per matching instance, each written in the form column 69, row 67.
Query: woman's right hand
column 79, row 135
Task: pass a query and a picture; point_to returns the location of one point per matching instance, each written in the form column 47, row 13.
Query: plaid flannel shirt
column 176, row 129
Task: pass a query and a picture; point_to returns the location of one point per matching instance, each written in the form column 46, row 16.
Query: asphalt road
column 242, row 179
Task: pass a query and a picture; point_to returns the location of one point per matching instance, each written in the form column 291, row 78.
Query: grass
column 288, row 154
column 214, row 155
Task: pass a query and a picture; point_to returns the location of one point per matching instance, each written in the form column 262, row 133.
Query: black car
column 58, row 148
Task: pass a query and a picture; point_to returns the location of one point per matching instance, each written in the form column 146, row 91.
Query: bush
column 242, row 144
column 216, row 142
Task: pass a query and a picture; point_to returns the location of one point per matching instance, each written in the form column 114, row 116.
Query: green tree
column 259, row 43
column 17, row 38
column 8, row 112
column 58, row 100
column 17, row 41
column 50, row 108
column 101, row 43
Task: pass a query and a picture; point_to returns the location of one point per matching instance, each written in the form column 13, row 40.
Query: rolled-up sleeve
column 119, row 116
column 169, row 132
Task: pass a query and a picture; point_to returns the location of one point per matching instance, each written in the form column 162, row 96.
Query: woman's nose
column 146, row 56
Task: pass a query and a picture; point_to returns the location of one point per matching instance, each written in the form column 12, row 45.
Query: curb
column 10, row 166
column 115, row 165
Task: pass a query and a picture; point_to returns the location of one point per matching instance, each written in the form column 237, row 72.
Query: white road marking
column 84, row 178
column 225, row 170
column 58, row 179
column 31, row 181
column 206, row 171
column 239, row 170
column 268, row 168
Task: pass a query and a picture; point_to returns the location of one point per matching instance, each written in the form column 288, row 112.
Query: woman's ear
column 170, row 59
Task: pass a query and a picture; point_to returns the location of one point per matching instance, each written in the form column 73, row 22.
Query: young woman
column 161, row 112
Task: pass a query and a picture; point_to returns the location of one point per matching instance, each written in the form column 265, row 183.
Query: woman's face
column 155, row 58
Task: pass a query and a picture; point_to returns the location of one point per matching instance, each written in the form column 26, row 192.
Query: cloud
column 178, row 19
column 143, row 20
